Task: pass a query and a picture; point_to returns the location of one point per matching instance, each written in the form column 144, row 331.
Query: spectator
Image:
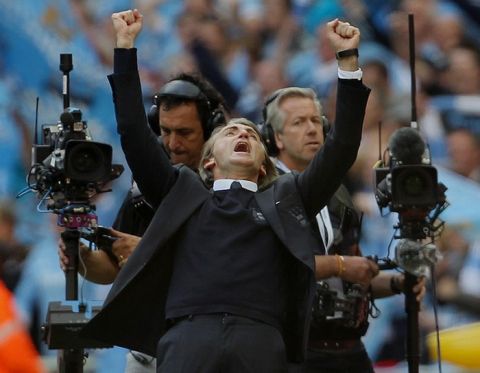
column 463, row 147
column 12, row 252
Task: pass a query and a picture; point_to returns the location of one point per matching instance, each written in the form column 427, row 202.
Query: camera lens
column 87, row 160
column 414, row 184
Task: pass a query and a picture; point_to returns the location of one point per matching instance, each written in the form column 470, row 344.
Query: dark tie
column 236, row 185
column 234, row 198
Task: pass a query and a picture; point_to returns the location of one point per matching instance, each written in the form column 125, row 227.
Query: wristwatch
column 346, row 53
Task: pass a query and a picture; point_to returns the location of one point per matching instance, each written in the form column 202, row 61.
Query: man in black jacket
column 223, row 280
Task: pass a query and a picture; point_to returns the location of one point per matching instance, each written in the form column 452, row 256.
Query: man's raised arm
column 146, row 158
column 324, row 174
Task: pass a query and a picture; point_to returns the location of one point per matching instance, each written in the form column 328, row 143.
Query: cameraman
column 185, row 111
column 294, row 128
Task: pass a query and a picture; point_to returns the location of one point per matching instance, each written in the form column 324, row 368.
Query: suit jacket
column 133, row 315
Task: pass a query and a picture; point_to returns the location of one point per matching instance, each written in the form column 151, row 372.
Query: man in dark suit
column 223, row 279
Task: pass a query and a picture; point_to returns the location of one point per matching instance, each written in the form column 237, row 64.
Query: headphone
column 186, row 90
column 267, row 132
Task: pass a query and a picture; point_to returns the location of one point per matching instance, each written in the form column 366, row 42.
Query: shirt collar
column 281, row 166
column 223, row 184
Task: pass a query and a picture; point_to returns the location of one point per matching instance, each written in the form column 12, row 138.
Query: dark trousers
column 221, row 343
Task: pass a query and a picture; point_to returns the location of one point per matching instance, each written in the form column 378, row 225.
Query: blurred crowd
column 247, row 49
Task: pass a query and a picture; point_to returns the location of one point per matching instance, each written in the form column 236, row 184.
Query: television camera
column 68, row 167
column 68, row 170
column 410, row 187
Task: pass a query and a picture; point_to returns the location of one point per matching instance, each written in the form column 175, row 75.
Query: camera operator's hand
column 355, row 269
column 95, row 266
column 62, row 255
column 419, row 289
column 358, row 270
column 123, row 246
column 387, row 284
column 127, row 25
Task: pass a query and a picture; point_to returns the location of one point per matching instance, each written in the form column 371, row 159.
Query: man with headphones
column 184, row 113
column 294, row 130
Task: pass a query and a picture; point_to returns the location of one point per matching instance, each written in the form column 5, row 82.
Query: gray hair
column 276, row 116
column 207, row 152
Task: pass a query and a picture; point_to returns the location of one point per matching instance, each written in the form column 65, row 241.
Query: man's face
column 464, row 153
column 182, row 134
column 302, row 134
column 238, row 153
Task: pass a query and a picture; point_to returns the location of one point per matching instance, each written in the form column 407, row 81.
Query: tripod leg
column 71, row 239
column 411, row 308
column 70, row 361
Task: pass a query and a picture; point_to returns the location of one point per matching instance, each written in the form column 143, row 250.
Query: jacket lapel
column 170, row 215
column 287, row 218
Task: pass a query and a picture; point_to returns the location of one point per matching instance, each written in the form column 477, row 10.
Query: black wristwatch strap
column 346, row 53
column 394, row 286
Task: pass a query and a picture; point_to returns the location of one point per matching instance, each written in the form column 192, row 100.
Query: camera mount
column 409, row 186
column 68, row 170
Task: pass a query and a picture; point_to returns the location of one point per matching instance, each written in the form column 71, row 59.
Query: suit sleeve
column 150, row 166
column 324, row 174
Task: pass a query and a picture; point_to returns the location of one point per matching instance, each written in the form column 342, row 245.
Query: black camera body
column 349, row 310
column 69, row 168
column 73, row 151
column 414, row 186
column 406, row 187
column 409, row 186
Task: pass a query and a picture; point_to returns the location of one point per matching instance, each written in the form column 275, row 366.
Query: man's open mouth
column 242, row 147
